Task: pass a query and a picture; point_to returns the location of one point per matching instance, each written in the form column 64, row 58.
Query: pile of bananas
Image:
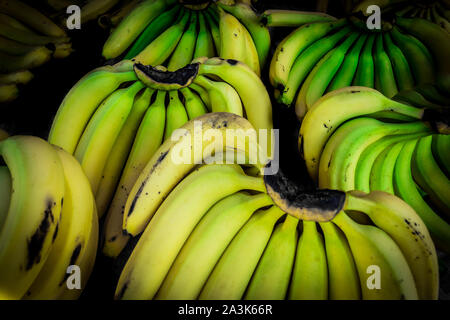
column 230, row 240
column 173, row 33
column 28, row 39
column 361, row 150
column 115, row 118
column 48, row 221
column 321, row 57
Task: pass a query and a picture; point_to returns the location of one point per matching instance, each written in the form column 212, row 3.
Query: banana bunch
column 173, row 33
column 357, row 139
column 48, row 221
column 320, row 57
column 236, row 240
column 28, row 39
column 116, row 117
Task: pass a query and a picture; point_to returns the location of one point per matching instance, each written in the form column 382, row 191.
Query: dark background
column 32, row 114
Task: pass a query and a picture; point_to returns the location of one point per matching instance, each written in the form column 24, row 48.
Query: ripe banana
column 156, row 250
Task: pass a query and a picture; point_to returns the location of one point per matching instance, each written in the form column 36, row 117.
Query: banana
column 429, row 176
column 30, row 60
column 259, row 34
column 206, row 244
column 102, row 131
column 232, row 37
column 154, row 29
column 432, row 93
column 115, row 17
column 369, row 155
column 160, row 49
column 365, row 73
column 74, row 229
column 34, row 212
column 418, row 56
column 132, row 25
column 347, row 71
column 81, row 102
column 400, row 65
column 373, row 246
column 162, row 173
column 405, row 187
column 323, row 119
column 233, row 272
column 343, row 280
column 384, row 75
column 93, row 9
column 251, row 90
column 436, row 40
column 176, row 115
column 223, row 97
column 193, row 103
column 293, row 45
column 8, row 92
column 5, row 192
column 414, row 98
column 11, row 21
column 321, row 75
column 27, row 37
column 213, row 26
column 204, row 95
column 270, row 280
column 306, row 61
column 119, row 153
column 184, row 51
column 340, row 156
column 155, row 252
column 292, row 18
column 31, row 17
column 381, row 175
column 405, row 227
column 204, row 46
column 440, row 146
column 310, row 274
column 148, row 139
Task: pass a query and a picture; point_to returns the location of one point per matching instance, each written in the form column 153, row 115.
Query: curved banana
column 185, row 49
column 30, row 60
column 440, row 146
column 102, row 131
column 176, row 115
column 271, row 278
column 195, row 107
column 148, row 139
column 119, row 152
column 384, row 74
column 152, row 257
column 365, row 73
column 234, row 270
column 323, row 119
column 310, row 274
column 34, row 212
column 207, row 243
column 74, row 230
column 81, row 102
column 204, row 46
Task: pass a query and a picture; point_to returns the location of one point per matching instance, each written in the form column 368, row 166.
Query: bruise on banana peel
column 36, row 242
column 161, row 79
column 311, row 205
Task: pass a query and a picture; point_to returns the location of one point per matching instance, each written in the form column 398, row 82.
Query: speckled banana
column 207, row 243
column 155, row 252
column 271, row 278
column 33, row 214
column 234, row 270
column 74, row 231
column 161, row 173
column 404, row 226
